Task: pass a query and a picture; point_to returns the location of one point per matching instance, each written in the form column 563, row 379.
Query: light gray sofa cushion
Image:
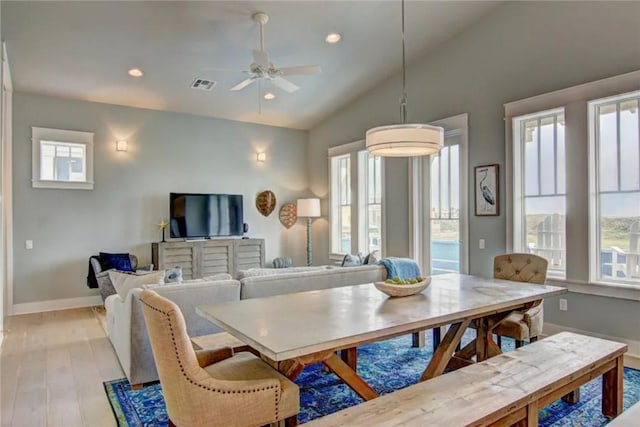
column 256, row 272
column 278, row 284
column 128, row 332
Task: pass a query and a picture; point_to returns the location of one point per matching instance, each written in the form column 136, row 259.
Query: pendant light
column 404, row 139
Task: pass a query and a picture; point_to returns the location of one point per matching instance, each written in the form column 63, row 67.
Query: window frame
column 335, row 205
column 595, row 244
column 353, row 150
column 519, row 191
column 363, row 201
column 456, row 127
column 38, row 135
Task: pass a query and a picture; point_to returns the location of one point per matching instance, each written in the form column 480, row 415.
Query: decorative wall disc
column 266, row 202
column 288, row 214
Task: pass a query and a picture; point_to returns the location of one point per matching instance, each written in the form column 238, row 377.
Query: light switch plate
column 481, row 243
column 28, row 244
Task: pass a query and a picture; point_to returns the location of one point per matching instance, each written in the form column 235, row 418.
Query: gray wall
column 167, row 152
column 3, row 299
column 521, row 50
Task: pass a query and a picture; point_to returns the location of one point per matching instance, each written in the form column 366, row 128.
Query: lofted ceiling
column 82, row 50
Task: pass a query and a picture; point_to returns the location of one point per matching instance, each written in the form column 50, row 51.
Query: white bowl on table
column 397, row 290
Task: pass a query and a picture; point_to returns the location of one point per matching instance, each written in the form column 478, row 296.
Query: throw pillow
column 124, row 282
column 120, row 262
column 173, row 275
column 372, row 258
column 352, row 260
column 282, row 262
column 148, row 267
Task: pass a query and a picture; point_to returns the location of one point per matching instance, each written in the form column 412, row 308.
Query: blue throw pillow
column 120, row 262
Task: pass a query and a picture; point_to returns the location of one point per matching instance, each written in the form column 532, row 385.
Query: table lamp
column 308, row 208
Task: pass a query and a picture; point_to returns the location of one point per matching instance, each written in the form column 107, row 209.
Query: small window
column 62, row 159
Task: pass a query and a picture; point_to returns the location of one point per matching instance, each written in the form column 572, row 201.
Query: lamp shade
column 405, row 140
column 308, row 208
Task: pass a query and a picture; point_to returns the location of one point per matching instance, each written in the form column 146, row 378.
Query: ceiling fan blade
column 243, row 84
column 306, row 69
column 225, row 70
column 284, row 84
column 261, row 58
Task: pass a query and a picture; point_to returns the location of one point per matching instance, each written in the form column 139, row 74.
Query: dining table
column 294, row 330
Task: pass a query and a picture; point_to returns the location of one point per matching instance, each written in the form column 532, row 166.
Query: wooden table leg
column 612, row 389
column 572, row 397
column 418, row 339
column 481, row 339
column 350, row 357
column 445, row 350
column 350, row 377
column 437, row 337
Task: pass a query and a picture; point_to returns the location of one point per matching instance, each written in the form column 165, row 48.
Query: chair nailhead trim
column 193, row 382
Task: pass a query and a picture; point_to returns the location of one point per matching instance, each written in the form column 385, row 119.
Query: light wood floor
column 52, row 366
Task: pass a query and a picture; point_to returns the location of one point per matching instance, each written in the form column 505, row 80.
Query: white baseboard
column 55, row 304
column 631, row 358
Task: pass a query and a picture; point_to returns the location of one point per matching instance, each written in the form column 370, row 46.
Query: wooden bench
column 504, row 390
column 629, row 418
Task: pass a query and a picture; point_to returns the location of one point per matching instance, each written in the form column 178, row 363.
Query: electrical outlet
column 28, row 244
column 563, row 305
column 481, row 243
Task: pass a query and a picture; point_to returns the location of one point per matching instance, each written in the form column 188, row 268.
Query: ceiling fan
column 262, row 69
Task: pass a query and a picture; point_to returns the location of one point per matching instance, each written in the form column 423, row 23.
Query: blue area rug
column 386, row 366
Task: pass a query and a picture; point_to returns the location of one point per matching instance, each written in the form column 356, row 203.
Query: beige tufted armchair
column 521, row 268
column 213, row 387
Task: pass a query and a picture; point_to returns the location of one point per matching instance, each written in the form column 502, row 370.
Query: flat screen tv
column 205, row 215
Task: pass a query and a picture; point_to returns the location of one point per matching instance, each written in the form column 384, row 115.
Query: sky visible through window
column 613, row 205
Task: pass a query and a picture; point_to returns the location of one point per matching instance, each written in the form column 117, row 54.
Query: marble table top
column 292, row 325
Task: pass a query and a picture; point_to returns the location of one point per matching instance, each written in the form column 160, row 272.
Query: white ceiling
column 82, row 50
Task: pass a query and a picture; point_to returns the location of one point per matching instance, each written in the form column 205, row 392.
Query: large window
column 341, row 204
column 615, row 188
column 370, row 202
column 445, row 210
column 573, row 184
column 539, row 170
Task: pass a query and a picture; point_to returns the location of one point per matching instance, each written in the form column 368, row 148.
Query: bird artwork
column 487, row 194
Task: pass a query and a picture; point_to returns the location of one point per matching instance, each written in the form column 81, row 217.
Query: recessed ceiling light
column 333, row 38
column 269, row 96
column 136, row 72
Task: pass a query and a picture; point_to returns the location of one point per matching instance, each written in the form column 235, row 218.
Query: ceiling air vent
column 203, row 84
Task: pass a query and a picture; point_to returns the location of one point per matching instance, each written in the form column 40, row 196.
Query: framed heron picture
column 487, row 190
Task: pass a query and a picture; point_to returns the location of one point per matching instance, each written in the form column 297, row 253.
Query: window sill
column 621, row 291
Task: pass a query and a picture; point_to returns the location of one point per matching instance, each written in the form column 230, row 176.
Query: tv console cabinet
column 201, row 258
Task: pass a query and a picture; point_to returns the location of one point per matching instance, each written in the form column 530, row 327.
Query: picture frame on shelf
column 487, row 190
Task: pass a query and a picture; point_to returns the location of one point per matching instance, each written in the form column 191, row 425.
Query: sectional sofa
column 128, row 333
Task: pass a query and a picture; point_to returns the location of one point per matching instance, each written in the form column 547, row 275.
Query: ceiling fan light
column 269, row 96
column 404, row 140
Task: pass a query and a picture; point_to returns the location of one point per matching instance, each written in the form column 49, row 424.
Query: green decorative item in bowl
column 402, row 288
